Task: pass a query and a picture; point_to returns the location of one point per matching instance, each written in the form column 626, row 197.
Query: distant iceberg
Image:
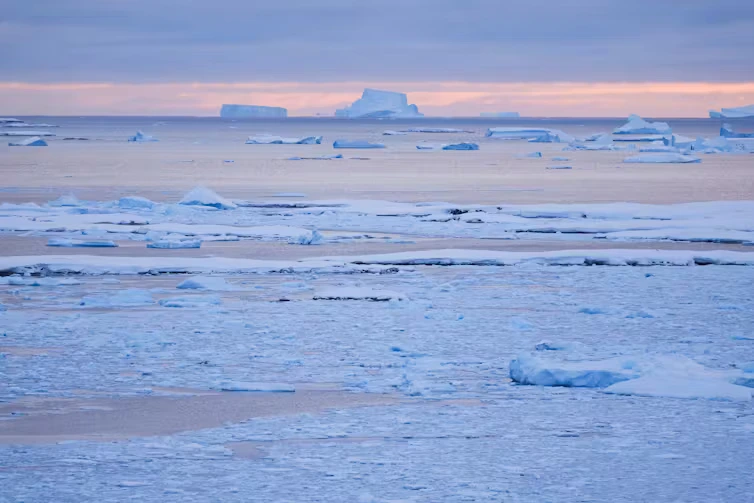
column 8, row 120
column 434, row 130
column 26, row 133
column 252, row 111
column 461, row 146
column 733, row 113
column 726, row 131
column 379, row 104
column 637, row 125
column 517, row 133
column 140, row 137
column 202, row 196
column 279, row 140
column 34, row 141
column 356, row 144
column 501, row 115
column 662, row 158
column 393, row 133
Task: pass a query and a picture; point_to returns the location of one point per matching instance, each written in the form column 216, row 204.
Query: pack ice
column 637, row 125
column 378, row 104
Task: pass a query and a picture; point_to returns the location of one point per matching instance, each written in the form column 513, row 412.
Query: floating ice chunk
column 529, row 369
column 34, row 141
column 637, row 125
column 77, row 243
column 501, row 115
column 279, row 140
column 23, row 124
column 561, row 159
column 309, row 238
column 175, row 244
column 358, row 293
column 356, row 144
column 434, row 130
column 394, row 133
column 559, row 167
column 662, row 158
column 191, row 301
column 26, row 133
column 658, row 148
column 461, row 146
column 119, row 298
column 733, row 113
column 517, row 133
column 140, row 137
column 553, row 136
column 429, row 147
column 324, row 157
column 726, row 131
column 531, row 155
column 379, row 104
column 69, row 200
column 678, row 141
column 688, row 387
column 202, row 196
column 260, row 387
column 205, row 283
column 135, row 203
column 230, row 111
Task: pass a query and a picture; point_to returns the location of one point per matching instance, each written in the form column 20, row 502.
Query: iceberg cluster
column 733, row 113
column 637, row 125
column 252, row 111
column 379, row 104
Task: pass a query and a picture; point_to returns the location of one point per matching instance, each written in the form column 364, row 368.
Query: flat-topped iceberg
column 202, row 196
column 378, row 104
column 77, row 243
column 356, row 144
column 140, row 137
column 501, row 115
column 726, row 131
column 461, row 146
column 637, row 125
column 662, row 158
column 252, row 111
column 553, row 136
column 34, row 141
column 267, row 139
column 517, row 133
column 175, row 244
column 733, row 113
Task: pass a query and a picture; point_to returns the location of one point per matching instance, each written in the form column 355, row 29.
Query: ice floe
column 78, row 243
column 461, row 146
column 26, row 133
column 434, row 130
column 390, row 132
column 175, row 244
column 202, row 196
column 517, row 133
column 191, row 301
column 356, row 144
column 637, row 125
column 279, row 140
column 140, row 137
column 259, row 387
column 662, row 158
column 215, row 283
column 323, row 157
column 34, row 141
column 531, row 155
column 131, row 297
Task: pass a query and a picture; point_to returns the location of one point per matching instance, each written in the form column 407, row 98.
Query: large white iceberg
column 733, row 113
column 662, row 158
column 202, row 196
column 377, row 104
column 267, row 139
column 501, row 115
column 34, row 141
column 252, row 111
column 637, row 125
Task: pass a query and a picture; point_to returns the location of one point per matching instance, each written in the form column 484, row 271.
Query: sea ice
column 529, row 369
column 324, row 157
column 379, row 104
column 34, row 141
column 356, row 144
column 726, row 131
column 140, row 137
column 251, row 111
column 559, row 167
column 517, row 133
column 135, row 203
column 67, row 200
column 531, row 155
column 637, row 125
column 130, row 297
column 662, row 158
column 434, row 130
column 279, row 140
column 8, row 120
column 461, row 146
column 202, row 196
column 393, row 133
column 77, row 243
column 553, row 136
column 191, row 301
column 205, row 283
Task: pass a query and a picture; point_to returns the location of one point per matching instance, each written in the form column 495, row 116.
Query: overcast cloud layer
column 388, row 40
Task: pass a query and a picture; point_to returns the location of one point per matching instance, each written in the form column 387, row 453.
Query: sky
column 547, row 58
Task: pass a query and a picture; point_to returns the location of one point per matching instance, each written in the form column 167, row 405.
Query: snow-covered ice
column 175, row 244
column 726, row 131
column 202, row 196
column 733, row 113
column 358, row 293
column 79, row 243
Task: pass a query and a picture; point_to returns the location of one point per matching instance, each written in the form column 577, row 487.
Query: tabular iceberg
column 356, row 144
column 733, row 113
column 637, row 125
column 376, row 104
column 501, row 115
column 252, row 111
column 726, row 131
column 34, row 141
column 517, row 133
column 279, row 140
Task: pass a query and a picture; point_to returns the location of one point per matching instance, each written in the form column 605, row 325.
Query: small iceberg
column 232, row 111
column 726, row 131
column 77, row 243
column 377, row 104
column 356, row 144
column 559, row 167
column 358, row 293
column 175, row 244
column 214, row 283
column 429, row 147
column 279, row 140
column 733, row 113
column 662, row 158
column 393, row 133
column 553, row 136
column 34, row 141
column 461, row 146
column 516, row 133
column 637, row 125
column 140, row 137
column 63, row 201
column 202, row 196
column 8, row 120
column 325, row 157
